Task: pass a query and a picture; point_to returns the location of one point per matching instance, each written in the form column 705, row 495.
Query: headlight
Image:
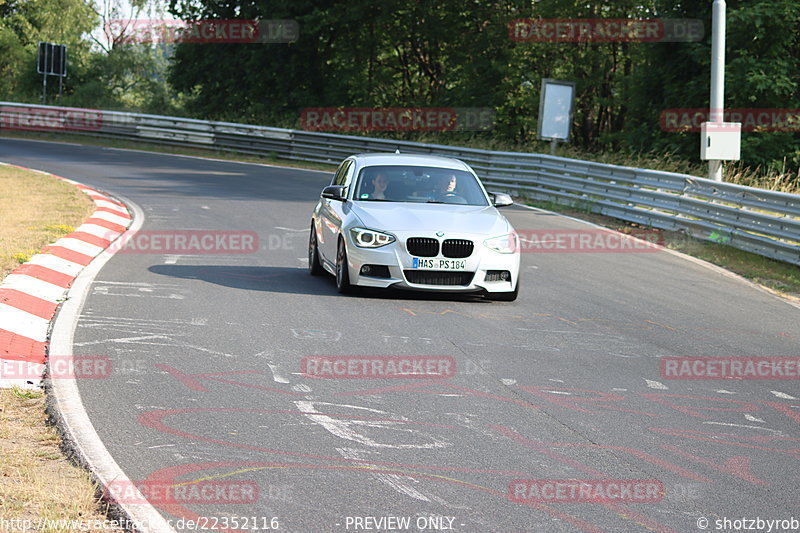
column 504, row 244
column 368, row 238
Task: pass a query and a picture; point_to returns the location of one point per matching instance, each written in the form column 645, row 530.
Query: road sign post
column 51, row 61
column 556, row 104
column 717, row 110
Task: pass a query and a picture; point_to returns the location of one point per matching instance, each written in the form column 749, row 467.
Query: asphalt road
column 564, row 383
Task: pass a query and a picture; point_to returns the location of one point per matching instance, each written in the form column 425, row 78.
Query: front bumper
column 396, row 257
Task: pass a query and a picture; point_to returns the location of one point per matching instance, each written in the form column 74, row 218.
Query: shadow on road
column 291, row 281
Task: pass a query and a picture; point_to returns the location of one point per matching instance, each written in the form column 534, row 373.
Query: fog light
column 498, row 275
column 375, row 271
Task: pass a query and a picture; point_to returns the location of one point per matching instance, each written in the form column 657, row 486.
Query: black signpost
column 52, row 61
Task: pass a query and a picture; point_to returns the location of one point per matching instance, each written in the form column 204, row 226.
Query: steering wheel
column 453, row 198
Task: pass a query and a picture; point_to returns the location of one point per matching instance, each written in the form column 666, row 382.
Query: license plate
column 439, row 264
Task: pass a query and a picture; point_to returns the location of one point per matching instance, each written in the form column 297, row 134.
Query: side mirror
column 335, row 192
column 501, row 199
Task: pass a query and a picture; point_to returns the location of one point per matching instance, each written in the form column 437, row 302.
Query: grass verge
column 777, row 277
column 35, row 210
column 37, row 482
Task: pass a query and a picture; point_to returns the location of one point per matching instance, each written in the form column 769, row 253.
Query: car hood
column 449, row 218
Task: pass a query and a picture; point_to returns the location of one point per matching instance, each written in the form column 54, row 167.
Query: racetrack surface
column 564, row 383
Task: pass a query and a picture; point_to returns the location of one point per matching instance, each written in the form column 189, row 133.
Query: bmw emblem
column 440, row 234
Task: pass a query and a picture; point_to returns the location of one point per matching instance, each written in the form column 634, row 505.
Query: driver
column 446, row 186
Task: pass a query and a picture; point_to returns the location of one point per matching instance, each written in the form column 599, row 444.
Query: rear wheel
column 342, row 272
column 314, row 265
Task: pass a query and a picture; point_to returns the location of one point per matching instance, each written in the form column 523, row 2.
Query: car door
column 331, row 213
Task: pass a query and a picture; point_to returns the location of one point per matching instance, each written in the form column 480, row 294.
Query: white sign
column 555, row 109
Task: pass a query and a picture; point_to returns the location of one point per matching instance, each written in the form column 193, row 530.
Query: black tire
column 504, row 296
column 342, row 273
column 314, row 265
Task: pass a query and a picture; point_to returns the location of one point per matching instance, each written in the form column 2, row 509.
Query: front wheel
column 342, row 272
column 314, row 265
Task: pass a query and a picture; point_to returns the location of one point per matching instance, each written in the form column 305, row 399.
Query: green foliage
column 127, row 76
column 354, row 53
column 396, row 53
column 399, row 53
column 762, row 71
column 23, row 23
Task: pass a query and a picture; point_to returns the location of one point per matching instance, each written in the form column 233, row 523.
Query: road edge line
column 64, row 403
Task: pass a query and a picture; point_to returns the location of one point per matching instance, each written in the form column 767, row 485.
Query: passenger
column 379, row 184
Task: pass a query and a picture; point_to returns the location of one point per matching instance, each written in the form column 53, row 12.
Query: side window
column 341, row 177
column 348, row 174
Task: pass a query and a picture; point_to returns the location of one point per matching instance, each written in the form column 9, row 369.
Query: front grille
column 457, row 248
column 438, row 277
column 422, row 246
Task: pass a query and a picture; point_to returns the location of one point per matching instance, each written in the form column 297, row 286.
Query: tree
column 355, row 52
column 23, row 23
column 762, row 71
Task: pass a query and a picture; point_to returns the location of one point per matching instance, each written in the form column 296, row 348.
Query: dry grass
column 36, row 480
column 772, row 179
column 35, row 210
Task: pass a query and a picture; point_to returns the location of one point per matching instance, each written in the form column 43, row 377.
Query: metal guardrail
column 756, row 220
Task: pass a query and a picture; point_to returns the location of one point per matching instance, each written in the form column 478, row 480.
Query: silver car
column 413, row 222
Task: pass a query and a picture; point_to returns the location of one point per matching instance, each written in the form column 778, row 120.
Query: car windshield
column 418, row 184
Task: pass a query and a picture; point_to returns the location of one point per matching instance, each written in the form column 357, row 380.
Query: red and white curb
column 31, row 294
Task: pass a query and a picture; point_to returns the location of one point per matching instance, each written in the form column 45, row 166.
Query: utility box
column 720, row 141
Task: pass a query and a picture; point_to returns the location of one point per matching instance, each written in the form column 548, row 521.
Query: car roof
column 373, row 159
